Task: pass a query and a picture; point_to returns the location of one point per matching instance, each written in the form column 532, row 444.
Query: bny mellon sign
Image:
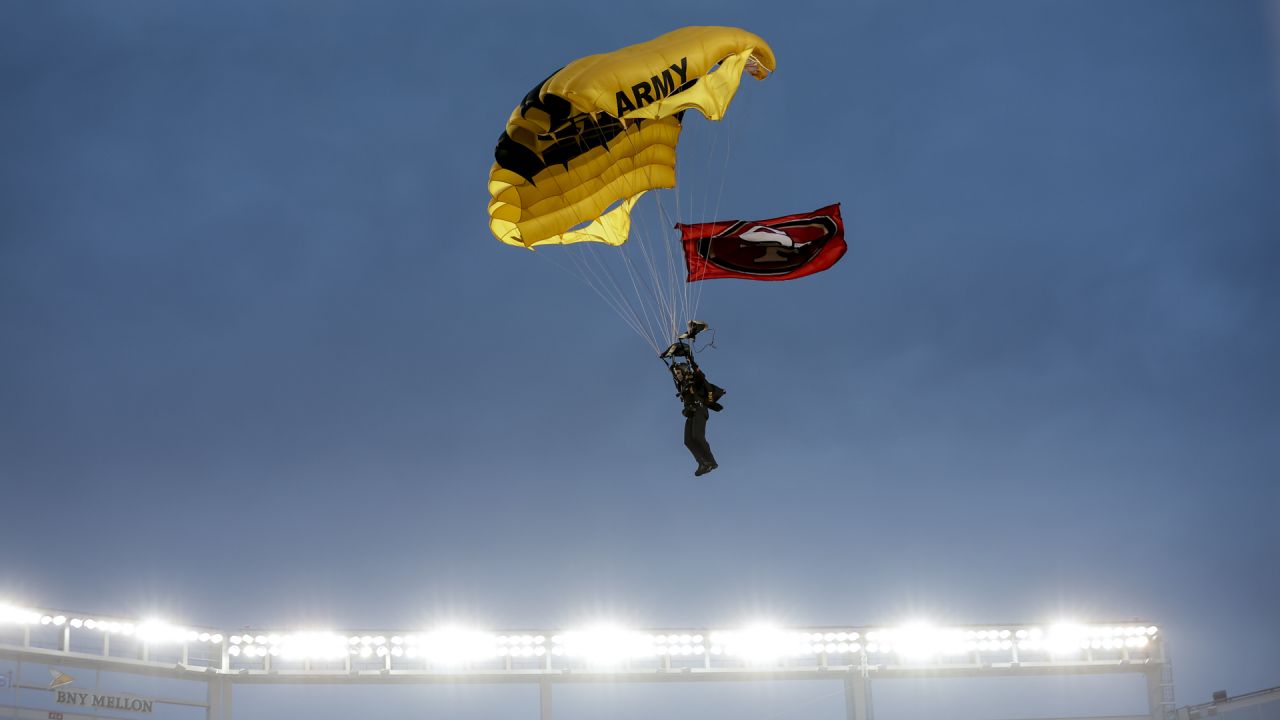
column 100, row 701
column 103, row 701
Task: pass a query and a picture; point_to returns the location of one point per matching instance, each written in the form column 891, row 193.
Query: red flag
column 780, row 248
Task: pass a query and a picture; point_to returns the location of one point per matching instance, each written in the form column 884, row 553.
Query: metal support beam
column 219, row 698
column 856, row 697
column 1155, row 692
column 544, row 700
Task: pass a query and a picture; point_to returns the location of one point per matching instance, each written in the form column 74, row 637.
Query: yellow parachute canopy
column 587, row 142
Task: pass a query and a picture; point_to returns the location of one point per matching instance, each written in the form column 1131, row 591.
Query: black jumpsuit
column 697, row 393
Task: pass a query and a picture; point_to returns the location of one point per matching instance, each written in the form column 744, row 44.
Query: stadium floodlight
column 1066, row 638
column 607, row 644
column 453, row 645
column 921, row 641
column 155, row 632
column 762, row 643
column 314, row 645
column 11, row 614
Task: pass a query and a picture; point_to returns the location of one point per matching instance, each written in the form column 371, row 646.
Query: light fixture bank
column 598, row 645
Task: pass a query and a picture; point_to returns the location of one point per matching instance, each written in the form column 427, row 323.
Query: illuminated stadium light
column 919, row 641
column 600, row 654
column 761, row 644
column 607, row 644
column 1066, row 638
column 18, row 616
column 1070, row 638
column 319, row 645
column 157, row 632
column 673, row 645
column 878, row 642
column 915, row 647
column 452, row 646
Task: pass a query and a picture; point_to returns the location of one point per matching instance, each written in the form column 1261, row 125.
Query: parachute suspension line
column 666, row 276
column 640, row 270
column 674, row 265
column 675, row 270
column 644, row 271
column 636, row 282
column 727, row 129
column 664, row 283
column 592, row 266
column 614, row 301
column 639, row 290
column 728, row 133
column 702, row 210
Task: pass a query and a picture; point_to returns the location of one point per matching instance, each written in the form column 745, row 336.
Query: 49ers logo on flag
column 779, row 248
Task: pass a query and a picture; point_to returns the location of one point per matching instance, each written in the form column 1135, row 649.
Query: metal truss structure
column 854, row 655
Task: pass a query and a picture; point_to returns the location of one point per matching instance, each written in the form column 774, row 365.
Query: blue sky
column 264, row 364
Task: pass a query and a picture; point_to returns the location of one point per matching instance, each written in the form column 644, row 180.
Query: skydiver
column 697, row 395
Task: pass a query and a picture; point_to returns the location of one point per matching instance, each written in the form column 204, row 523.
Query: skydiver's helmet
column 682, row 372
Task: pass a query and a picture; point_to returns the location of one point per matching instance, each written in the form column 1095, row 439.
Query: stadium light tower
column 606, row 654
